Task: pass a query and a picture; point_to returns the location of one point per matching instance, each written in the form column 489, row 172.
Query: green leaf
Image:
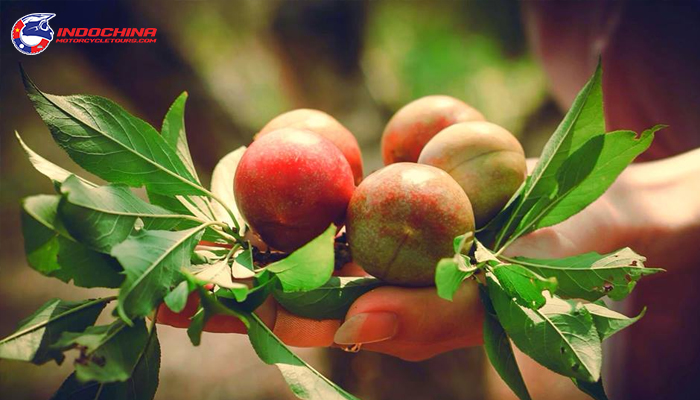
column 449, row 275
column 52, row 251
column 330, row 301
column 111, row 143
column 561, row 336
column 250, row 299
column 108, row 353
column 104, row 216
column 141, row 385
column 583, row 121
column 304, row 381
column 591, row 276
column 499, row 350
column 222, row 187
column 152, row 261
column 176, row 300
column 524, row 285
column 36, row 333
column 46, row 167
column 308, row 267
column 218, row 273
column 208, row 307
column 173, row 131
column 609, row 322
column 593, row 389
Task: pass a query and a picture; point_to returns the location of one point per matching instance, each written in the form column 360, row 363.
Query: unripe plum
column 486, row 160
column 417, row 122
column 323, row 124
column 290, row 185
column 402, row 220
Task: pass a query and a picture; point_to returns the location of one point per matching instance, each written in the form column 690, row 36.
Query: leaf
column 102, row 217
column 609, row 322
column 173, row 131
column 524, row 285
column 152, row 262
column 141, row 385
column 250, row 299
column 243, row 267
column 36, row 333
column 108, row 353
column 308, row 267
column 593, row 389
column 109, row 142
column 499, row 350
column 54, row 252
column 176, row 300
column 591, row 276
column 222, row 187
column 218, row 273
column 329, row 301
column 46, row 167
column 561, row 336
column 449, row 275
column 304, row 381
column 208, row 307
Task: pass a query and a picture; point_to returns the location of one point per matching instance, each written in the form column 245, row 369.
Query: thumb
column 413, row 324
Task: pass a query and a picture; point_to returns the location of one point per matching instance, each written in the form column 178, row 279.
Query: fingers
column 413, row 324
column 217, row 323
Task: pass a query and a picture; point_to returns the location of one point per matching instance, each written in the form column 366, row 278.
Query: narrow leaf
column 222, row 187
column 560, row 336
column 308, row 267
column 141, row 385
column 304, row 381
column 152, row 261
column 104, row 216
column 173, row 131
column 208, row 307
column 46, row 167
column 35, row 334
column 330, row 301
column 111, row 143
column 52, row 251
column 108, row 353
column 591, row 276
column 499, row 350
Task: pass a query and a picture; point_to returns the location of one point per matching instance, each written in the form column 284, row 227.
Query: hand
column 409, row 323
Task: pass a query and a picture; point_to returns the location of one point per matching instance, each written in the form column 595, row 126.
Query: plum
column 290, row 185
column 402, row 220
column 486, row 160
column 417, row 122
column 323, row 124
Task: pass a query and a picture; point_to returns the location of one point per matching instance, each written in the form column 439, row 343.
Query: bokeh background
column 244, row 62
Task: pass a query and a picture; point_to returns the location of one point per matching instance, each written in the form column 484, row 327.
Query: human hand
column 409, row 323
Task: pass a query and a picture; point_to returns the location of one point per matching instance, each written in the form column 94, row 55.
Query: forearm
column 658, row 208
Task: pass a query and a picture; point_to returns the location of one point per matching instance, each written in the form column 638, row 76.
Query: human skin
column 402, row 219
column 323, row 124
column 415, row 324
column 486, row 160
column 290, row 185
column 417, row 122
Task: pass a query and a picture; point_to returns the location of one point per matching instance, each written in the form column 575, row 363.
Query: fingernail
column 367, row 328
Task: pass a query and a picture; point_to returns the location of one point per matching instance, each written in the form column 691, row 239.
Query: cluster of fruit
column 448, row 172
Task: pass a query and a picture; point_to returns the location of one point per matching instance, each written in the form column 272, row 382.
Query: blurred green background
column 244, row 62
